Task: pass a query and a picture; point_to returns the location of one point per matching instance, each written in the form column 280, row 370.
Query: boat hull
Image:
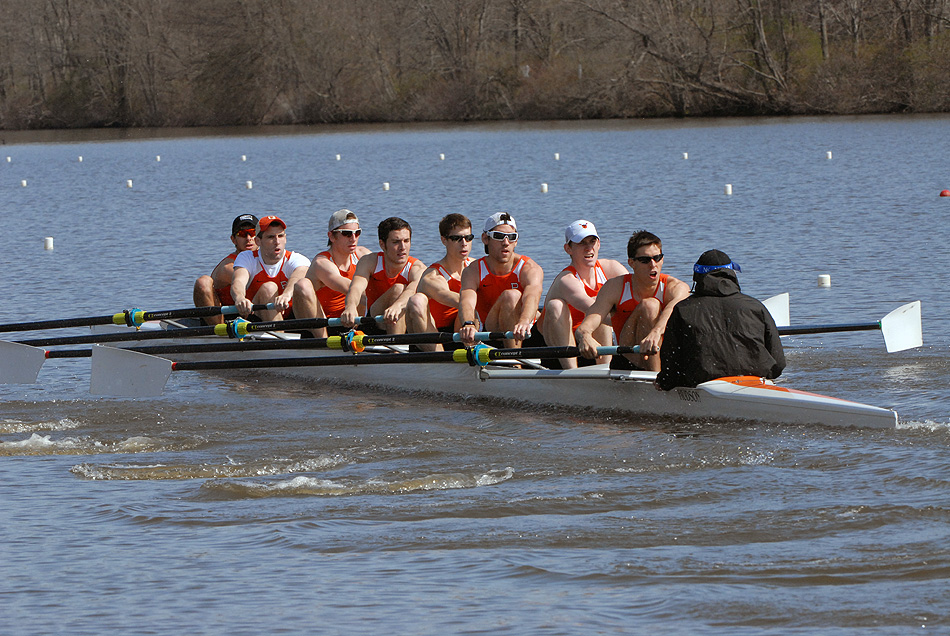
column 592, row 388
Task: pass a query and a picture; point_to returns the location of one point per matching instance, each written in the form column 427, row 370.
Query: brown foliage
column 72, row 63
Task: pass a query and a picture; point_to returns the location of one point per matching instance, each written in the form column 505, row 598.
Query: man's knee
column 204, row 284
column 556, row 308
column 649, row 309
column 417, row 306
column 304, row 289
column 509, row 299
column 267, row 291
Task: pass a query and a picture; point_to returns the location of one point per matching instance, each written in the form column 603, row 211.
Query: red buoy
column 945, row 193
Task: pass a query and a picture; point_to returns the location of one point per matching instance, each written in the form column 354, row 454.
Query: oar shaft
column 121, row 336
column 57, row 324
column 209, row 347
column 810, row 329
column 324, row 361
column 119, row 318
column 243, row 345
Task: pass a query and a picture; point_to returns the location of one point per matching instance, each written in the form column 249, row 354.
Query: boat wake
column 314, row 487
column 8, row 426
column 38, row 444
column 204, row 471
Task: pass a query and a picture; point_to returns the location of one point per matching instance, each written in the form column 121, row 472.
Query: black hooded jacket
column 718, row 332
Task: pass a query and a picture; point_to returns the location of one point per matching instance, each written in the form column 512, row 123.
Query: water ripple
column 310, row 486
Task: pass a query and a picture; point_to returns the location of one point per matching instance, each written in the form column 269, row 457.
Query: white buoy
column 48, row 243
column 828, row 154
column 338, row 157
column 249, row 185
column 441, row 157
column 80, row 158
column 685, row 155
column 729, row 188
column 243, row 157
column 23, row 183
column 557, row 156
column 544, row 187
column 9, row 159
column 128, row 184
column 824, row 280
column 158, row 157
column 386, row 185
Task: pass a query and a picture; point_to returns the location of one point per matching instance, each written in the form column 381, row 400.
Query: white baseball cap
column 342, row 217
column 499, row 218
column 579, row 230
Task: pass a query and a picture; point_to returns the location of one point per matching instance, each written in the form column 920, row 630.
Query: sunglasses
column 458, row 238
column 501, row 236
column 656, row 258
column 249, row 233
column 348, row 233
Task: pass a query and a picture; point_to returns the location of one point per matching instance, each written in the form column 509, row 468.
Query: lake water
column 249, row 505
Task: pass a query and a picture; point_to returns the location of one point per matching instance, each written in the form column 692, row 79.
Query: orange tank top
column 261, row 277
column 577, row 316
column 444, row 315
column 332, row 301
column 628, row 303
column 491, row 286
column 224, row 293
column 379, row 283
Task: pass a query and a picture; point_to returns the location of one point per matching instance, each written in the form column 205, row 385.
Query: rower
column 388, row 278
column 501, row 291
column 718, row 331
column 215, row 290
column 573, row 291
column 434, row 307
column 322, row 294
column 269, row 273
column 638, row 305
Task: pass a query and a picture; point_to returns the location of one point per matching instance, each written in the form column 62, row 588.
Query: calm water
column 246, row 505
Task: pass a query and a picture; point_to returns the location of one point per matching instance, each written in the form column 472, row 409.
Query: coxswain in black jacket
column 718, row 331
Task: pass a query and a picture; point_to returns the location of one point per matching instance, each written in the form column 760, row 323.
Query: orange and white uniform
column 628, row 303
column 379, row 283
column 443, row 315
column 261, row 273
column 577, row 316
column 224, row 293
column 332, row 301
column 491, row 286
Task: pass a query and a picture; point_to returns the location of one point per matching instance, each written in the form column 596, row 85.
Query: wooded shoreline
column 177, row 63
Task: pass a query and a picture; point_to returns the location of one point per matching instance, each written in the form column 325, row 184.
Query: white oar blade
column 123, row 373
column 902, row 328
column 778, row 307
column 19, row 363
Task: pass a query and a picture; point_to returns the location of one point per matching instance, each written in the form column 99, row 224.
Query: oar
column 124, row 373
column 128, row 318
column 778, row 307
column 234, row 329
column 901, row 328
column 20, row 363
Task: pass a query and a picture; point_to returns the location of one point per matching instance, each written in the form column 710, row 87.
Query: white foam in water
column 18, row 426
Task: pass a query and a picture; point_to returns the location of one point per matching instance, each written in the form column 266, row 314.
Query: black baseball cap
column 242, row 221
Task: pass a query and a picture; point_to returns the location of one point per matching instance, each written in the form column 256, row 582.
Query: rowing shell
column 591, row 388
